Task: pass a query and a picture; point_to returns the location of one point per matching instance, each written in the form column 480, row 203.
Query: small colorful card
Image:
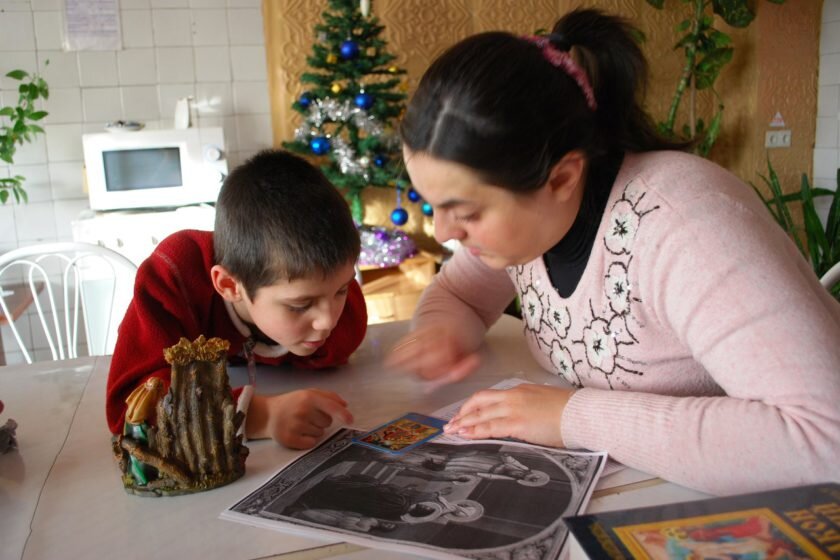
column 402, row 434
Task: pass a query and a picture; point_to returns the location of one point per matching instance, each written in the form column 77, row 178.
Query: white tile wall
column 212, row 50
column 210, row 27
column 827, row 145
column 137, row 67
column 212, row 64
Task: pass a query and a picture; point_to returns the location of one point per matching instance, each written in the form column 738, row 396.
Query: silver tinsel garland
column 384, row 247
column 330, row 110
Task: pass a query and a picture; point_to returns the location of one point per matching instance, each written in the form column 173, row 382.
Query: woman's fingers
column 432, row 354
column 528, row 412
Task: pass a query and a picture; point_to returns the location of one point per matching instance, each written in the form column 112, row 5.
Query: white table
column 61, row 495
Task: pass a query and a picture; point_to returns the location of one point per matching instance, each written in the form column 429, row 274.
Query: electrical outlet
column 777, row 139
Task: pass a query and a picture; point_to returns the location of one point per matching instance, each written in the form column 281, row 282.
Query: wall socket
column 777, row 139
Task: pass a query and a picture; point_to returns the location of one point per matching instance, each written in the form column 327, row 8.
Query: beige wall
column 774, row 68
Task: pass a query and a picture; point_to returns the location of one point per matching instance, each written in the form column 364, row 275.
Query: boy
column 276, row 275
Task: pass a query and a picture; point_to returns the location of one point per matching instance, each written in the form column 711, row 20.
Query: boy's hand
column 528, row 412
column 433, row 353
column 297, row 419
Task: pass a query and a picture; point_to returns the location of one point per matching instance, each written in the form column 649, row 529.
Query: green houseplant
column 18, row 125
column 821, row 246
column 707, row 51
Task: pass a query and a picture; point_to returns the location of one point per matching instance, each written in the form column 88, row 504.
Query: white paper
column 477, row 499
column 91, row 25
column 465, row 508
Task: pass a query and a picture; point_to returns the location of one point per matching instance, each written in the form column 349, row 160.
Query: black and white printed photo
column 475, row 500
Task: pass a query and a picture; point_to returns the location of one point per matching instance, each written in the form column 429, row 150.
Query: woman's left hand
column 528, row 412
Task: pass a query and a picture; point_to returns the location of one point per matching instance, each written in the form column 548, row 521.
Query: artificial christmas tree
column 352, row 100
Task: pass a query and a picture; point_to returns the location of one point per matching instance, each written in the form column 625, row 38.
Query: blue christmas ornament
column 304, row 101
column 320, row 145
column 364, row 100
column 413, row 195
column 349, row 49
column 399, row 216
column 427, row 209
column 380, row 160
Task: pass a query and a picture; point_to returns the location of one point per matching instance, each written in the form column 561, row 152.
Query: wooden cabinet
column 392, row 293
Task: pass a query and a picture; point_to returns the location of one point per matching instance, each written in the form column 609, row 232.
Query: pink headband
column 565, row 61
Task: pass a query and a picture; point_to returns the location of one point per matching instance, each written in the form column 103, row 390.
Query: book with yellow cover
column 791, row 523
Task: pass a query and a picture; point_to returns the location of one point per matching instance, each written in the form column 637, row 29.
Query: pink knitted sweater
column 703, row 346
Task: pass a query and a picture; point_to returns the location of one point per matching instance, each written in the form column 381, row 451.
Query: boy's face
column 298, row 314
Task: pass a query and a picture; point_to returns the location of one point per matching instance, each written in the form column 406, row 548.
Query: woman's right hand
column 434, row 353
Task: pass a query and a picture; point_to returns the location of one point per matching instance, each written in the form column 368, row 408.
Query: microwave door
column 147, row 168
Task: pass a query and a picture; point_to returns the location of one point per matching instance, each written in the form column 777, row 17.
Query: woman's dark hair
column 493, row 103
column 278, row 217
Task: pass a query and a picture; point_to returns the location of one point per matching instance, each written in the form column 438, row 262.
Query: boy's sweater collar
column 260, row 348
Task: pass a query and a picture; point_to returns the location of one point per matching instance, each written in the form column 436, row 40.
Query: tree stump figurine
column 187, row 440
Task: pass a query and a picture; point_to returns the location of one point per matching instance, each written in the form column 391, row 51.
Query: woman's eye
column 299, row 308
column 468, row 218
column 343, row 291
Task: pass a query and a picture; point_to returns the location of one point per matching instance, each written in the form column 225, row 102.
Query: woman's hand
column 434, row 353
column 528, row 412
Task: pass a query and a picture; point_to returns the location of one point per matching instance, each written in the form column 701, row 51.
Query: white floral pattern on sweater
column 592, row 346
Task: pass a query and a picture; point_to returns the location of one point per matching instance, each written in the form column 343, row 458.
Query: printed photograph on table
column 472, row 500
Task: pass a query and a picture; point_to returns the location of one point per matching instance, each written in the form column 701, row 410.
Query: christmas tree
column 351, row 100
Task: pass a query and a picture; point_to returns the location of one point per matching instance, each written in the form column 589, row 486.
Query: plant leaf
column 817, row 242
column 7, row 112
column 4, row 196
column 764, row 201
column 712, row 134
column 734, row 12
column 787, row 221
column 707, row 70
column 720, row 39
column 17, row 75
column 37, row 115
column 832, row 224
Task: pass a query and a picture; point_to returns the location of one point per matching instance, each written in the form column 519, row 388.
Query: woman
column 699, row 345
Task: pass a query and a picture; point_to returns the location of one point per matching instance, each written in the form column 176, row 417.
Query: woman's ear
column 567, row 176
column 226, row 284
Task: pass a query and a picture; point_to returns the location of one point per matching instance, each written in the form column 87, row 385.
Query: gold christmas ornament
column 371, row 51
column 393, row 69
column 331, row 58
column 336, row 88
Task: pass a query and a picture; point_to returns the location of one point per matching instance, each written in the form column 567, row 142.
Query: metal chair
column 94, row 283
column 832, row 277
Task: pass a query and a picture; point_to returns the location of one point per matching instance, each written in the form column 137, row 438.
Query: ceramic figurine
column 185, row 440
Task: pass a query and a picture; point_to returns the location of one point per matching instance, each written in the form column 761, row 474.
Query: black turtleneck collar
column 566, row 261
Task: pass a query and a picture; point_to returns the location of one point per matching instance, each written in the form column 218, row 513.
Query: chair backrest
column 832, row 277
column 64, row 285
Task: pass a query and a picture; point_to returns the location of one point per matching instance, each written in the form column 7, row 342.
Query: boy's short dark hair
column 279, row 217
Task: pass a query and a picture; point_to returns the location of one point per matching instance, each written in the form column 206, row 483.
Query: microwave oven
column 154, row 168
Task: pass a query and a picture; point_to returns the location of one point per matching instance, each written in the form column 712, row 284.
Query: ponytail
column 606, row 48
